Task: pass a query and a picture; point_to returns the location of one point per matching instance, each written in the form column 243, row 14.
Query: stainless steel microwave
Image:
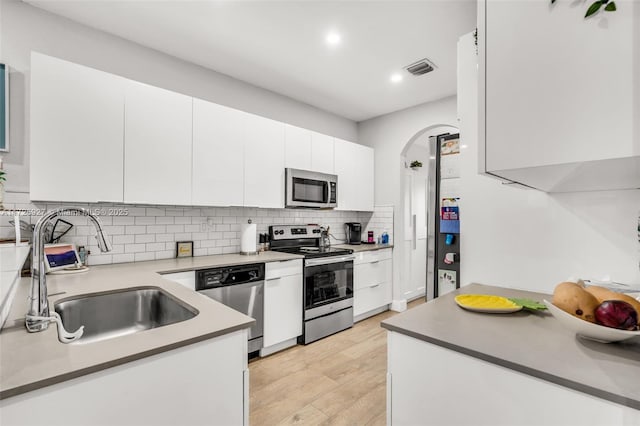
column 310, row 189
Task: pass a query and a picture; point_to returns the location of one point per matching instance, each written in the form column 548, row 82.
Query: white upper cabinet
column 308, row 150
column 263, row 162
column 297, row 147
column 322, row 147
column 354, row 167
column 560, row 94
column 158, row 126
column 98, row 137
column 77, row 119
column 218, row 155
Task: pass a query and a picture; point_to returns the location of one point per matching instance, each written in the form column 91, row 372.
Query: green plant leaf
column 529, row 304
column 593, row 8
column 611, row 7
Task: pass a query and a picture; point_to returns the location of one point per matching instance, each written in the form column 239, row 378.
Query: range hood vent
column 421, row 67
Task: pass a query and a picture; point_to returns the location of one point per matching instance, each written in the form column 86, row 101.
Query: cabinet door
column 558, row 89
column 77, row 119
column 263, row 162
column 157, row 158
column 282, row 309
column 372, row 273
column 218, row 155
column 187, row 279
column 370, row 298
column 322, row 153
column 354, row 167
column 297, row 148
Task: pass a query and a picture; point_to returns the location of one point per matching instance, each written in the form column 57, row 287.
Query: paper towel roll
column 248, row 238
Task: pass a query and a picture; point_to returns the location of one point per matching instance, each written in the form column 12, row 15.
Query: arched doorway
column 419, row 212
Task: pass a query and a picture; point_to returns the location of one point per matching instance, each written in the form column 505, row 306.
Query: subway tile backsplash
column 139, row 233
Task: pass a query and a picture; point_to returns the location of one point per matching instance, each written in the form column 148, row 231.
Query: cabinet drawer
column 369, row 298
column 373, row 256
column 283, row 269
column 372, row 273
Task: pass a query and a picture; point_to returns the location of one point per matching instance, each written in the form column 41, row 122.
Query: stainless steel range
column 328, row 280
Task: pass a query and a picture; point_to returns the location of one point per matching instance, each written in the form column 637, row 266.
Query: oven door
column 309, row 189
column 328, row 285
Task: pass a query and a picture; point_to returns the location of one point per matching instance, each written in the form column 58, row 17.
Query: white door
column 218, row 155
column 322, row 153
column 415, row 244
column 158, row 126
column 297, row 147
column 282, row 309
column 77, row 120
column 263, row 162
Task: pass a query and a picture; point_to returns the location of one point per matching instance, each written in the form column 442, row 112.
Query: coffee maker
column 353, row 231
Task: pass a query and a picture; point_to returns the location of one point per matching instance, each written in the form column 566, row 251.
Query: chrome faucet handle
column 64, row 336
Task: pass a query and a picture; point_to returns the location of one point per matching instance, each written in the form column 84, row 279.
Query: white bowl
column 589, row 330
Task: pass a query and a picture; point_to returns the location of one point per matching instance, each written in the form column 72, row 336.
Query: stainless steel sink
column 118, row 313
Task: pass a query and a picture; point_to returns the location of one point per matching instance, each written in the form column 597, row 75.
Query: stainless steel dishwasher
column 241, row 288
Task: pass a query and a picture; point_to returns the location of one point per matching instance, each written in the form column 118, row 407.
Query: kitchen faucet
column 38, row 316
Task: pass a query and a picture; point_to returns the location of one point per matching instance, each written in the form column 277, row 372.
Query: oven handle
column 328, row 261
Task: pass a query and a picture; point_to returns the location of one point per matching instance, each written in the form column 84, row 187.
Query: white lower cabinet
column 482, row 389
column 282, row 305
column 162, row 389
column 372, row 281
column 186, row 279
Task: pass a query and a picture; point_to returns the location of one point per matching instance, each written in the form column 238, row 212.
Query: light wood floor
column 339, row 380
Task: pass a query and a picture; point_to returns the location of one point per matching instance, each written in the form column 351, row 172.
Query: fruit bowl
column 592, row 331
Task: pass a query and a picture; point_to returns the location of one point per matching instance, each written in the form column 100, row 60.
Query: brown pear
column 575, row 300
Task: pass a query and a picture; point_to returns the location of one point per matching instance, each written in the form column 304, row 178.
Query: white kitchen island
column 448, row 366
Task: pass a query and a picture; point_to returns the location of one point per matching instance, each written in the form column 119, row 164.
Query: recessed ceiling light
column 333, row 38
column 432, row 157
column 463, row 146
column 396, row 78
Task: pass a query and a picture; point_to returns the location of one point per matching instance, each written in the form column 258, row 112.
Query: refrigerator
column 443, row 215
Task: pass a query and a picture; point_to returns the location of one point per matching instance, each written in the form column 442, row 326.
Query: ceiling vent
column 421, row 67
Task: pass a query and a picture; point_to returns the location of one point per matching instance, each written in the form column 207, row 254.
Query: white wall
column 533, row 240
column 24, row 28
column 388, row 135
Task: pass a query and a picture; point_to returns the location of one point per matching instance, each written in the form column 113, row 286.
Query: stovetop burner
column 313, row 252
column 303, row 240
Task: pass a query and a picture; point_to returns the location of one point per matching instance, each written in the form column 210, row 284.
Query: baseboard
column 278, row 347
column 399, row 305
column 371, row 313
column 415, row 297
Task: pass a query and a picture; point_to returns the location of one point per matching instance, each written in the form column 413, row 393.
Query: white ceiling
column 280, row 45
